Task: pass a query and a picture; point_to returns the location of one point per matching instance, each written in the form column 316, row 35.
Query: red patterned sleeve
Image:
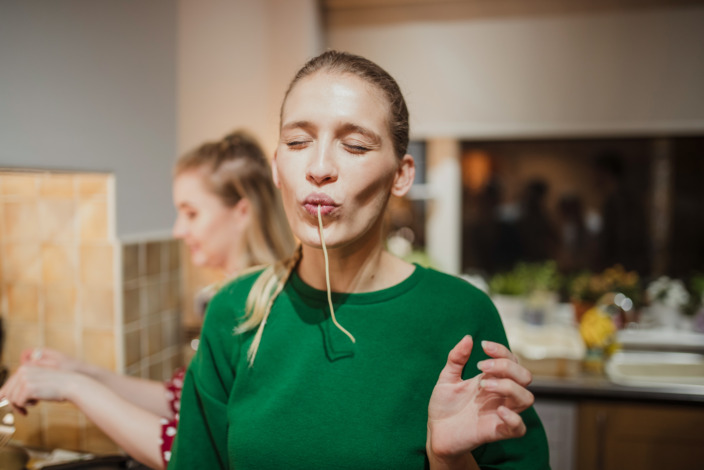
column 168, row 426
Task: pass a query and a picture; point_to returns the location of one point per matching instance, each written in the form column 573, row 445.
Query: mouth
column 326, row 203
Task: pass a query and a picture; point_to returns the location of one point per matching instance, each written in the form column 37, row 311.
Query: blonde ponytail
column 262, row 296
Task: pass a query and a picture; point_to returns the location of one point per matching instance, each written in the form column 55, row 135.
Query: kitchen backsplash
column 67, row 283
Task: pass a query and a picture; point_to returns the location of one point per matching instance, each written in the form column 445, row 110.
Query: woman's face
column 335, row 150
column 212, row 231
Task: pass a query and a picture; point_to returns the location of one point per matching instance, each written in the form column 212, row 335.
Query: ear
column 405, row 174
column 243, row 208
column 275, row 170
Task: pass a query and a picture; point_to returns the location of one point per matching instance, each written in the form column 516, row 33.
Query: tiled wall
column 152, row 308
column 57, row 285
column 68, row 284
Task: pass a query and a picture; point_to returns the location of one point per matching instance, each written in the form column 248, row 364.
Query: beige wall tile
column 154, row 303
column 57, row 220
column 99, row 347
column 20, row 221
column 19, row 184
column 96, row 264
column 22, row 301
column 57, row 186
column 153, row 253
column 21, row 262
column 58, row 262
column 97, row 307
column 131, row 304
column 18, row 338
column 96, row 441
column 133, row 347
column 174, row 251
column 60, row 301
column 28, row 428
column 130, row 262
column 155, row 337
column 156, row 371
column 92, row 186
column 63, row 429
column 62, row 338
column 93, row 220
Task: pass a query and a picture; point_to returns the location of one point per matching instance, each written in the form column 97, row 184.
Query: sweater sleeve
column 201, row 439
column 529, row 452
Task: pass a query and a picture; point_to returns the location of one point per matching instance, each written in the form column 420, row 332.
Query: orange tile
column 130, row 304
column 154, row 337
column 92, row 186
column 57, row 219
column 58, row 262
column 20, row 221
column 93, row 220
column 21, row 262
column 57, row 186
column 18, row 338
column 28, row 428
column 133, row 347
column 130, row 262
column 63, row 428
column 97, row 442
column 62, row 338
column 19, row 184
column 97, row 307
column 60, row 303
column 153, row 265
column 99, row 348
column 22, row 301
column 96, row 264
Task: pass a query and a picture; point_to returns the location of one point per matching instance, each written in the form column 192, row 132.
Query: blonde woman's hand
column 464, row 414
column 47, row 357
column 30, row 384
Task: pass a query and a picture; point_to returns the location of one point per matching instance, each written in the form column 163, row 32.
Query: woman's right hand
column 47, row 357
column 31, row 384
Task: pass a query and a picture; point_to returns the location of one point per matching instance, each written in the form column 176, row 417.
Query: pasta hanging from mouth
column 327, row 277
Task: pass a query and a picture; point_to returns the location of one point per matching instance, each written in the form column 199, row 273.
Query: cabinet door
column 618, row 436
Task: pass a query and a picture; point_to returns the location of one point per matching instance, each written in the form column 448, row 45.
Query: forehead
column 328, row 95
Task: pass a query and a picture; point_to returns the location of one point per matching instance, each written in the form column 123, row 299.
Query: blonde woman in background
column 330, row 358
column 230, row 218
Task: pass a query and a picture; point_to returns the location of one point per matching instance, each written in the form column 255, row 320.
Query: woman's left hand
column 464, row 414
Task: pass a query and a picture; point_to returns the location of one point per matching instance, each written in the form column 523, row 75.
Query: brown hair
column 235, row 168
column 272, row 281
column 343, row 62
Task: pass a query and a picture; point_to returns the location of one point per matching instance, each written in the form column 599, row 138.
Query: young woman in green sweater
column 344, row 356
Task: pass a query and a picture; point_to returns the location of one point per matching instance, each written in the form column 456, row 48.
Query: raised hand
column 464, row 414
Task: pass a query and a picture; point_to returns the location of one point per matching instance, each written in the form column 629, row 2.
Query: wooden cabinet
column 643, row 436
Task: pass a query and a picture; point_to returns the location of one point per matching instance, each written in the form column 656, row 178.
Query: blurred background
column 560, row 148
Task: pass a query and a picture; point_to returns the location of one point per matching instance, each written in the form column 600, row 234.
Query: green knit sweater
column 315, row 400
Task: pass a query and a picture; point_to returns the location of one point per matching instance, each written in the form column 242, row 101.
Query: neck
column 365, row 267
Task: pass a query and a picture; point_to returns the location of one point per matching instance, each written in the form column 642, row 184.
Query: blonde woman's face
column 212, row 231
column 335, row 151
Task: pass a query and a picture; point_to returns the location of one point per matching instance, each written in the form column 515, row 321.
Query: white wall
column 612, row 72
column 235, row 60
column 91, row 85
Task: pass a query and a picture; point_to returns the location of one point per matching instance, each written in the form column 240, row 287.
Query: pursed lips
column 326, row 203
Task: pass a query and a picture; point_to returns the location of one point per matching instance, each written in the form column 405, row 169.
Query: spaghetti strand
column 327, row 277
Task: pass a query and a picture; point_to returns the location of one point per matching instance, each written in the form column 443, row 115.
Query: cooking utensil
column 7, row 422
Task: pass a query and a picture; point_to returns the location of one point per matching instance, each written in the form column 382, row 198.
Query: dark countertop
column 600, row 387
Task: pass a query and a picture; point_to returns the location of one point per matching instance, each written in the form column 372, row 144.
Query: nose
column 322, row 169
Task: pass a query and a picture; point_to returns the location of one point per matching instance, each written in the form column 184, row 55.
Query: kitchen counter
column 600, row 387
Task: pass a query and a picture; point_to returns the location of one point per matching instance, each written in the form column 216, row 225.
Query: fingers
column 456, row 360
column 516, row 396
column 513, row 423
column 504, row 364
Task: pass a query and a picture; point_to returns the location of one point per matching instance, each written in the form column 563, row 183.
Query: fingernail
column 488, row 346
column 485, row 365
column 487, row 384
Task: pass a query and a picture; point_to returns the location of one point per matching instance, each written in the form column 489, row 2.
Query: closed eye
column 297, row 144
column 356, row 149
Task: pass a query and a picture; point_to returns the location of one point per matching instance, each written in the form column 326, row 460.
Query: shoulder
column 453, row 288
column 230, row 299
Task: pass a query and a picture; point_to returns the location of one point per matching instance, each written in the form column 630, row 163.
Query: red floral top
column 168, row 426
